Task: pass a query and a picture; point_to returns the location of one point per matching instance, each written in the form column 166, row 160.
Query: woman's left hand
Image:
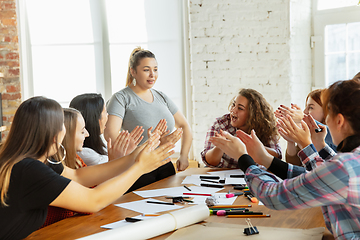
column 135, row 139
column 291, row 131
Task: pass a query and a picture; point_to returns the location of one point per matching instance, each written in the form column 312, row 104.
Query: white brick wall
column 256, row 44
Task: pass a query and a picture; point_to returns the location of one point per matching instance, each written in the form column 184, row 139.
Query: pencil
column 248, row 216
column 150, row 215
column 231, row 206
column 165, row 203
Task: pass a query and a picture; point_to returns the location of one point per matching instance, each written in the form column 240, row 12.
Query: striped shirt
column 333, row 184
column 223, row 123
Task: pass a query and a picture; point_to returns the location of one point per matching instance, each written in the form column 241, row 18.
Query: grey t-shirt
column 134, row 111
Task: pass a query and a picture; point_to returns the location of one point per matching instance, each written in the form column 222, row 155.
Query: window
column 73, row 47
column 336, row 41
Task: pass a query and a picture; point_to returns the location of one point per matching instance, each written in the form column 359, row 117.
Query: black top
column 33, row 186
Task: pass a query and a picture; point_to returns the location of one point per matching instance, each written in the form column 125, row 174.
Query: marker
column 210, row 181
column 252, row 198
column 187, row 188
column 150, row 215
column 129, row 219
column 230, row 195
column 317, row 130
column 248, row 216
column 209, row 177
column 198, row 194
column 231, row 206
column 211, row 185
column 165, row 203
column 237, row 176
column 240, row 187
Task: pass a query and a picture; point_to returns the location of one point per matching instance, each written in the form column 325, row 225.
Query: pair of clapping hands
column 126, row 142
column 295, row 126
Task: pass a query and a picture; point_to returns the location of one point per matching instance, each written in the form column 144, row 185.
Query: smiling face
column 80, row 133
column 314, row 109
column 146, row 73
column 239, row 112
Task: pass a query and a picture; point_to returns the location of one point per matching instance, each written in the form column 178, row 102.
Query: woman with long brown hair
column 248, row 110
column 31, row 179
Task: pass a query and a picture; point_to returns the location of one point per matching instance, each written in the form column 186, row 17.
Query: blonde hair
column 136, row 55
column 36, row 124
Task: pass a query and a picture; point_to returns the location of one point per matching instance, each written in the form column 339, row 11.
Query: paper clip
column 251, row 229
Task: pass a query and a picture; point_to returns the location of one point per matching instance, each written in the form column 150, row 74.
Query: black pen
column 166, row 203
column 210, row 181
column 211, row 185
column 129, row 219
column 237, row 176
column 187, row 188
column 209, row 177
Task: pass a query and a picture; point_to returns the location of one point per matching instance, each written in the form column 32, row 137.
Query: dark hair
column 136, row 55
column 344, row 97
column 91, row 106
column 261, row 116
column 36, row 124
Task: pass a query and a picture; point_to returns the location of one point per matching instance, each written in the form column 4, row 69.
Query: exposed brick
column 9, row 22
column 11, row 96
column 13, row 88
column 14, row 72
column 12, row 55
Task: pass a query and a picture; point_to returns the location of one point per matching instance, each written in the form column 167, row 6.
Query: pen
column 232, row 209
column 211, row 181
column 317, row 130
column 129, row 219
column 241, row 212
column 230, row 206
column 187, row 188
column 240, row 187
column 237, row 176
column 248, row 216
column 211, row 185
column 198, row 194
column 166, row 203
column 209, row 177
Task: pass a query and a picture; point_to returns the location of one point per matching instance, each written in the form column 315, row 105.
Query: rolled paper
column 156, row 226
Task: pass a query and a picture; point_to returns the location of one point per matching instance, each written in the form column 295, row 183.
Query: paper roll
column 156, row 226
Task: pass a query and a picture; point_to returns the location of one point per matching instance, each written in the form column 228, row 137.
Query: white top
column 91, row 157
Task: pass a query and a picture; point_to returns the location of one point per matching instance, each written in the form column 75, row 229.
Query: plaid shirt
column 223, row 123
column 334, row 185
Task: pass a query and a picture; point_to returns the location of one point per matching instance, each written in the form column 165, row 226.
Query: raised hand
column 292, row 132
column 160, row 129
column 119, row 147
column 294, row 111
column 152, row 156
column 173, row 137
column 255, row 148
column 135, row 139
column 229, row 144
column 318, row 138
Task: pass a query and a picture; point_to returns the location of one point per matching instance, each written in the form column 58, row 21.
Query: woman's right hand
column 119, row 147
column 318, row 138
column 229, row 144
column 152, row 156
column 135, row 139
column 291, row 131
column 294, row 111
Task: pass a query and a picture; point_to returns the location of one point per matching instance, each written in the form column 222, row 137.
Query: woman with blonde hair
column 139, row 104
column 248, row 110
column 31, row 179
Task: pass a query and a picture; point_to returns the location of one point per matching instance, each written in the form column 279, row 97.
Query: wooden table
column 81, row 226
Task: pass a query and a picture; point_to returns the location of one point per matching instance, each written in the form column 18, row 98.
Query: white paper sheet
column 143, row 207
column 229, row 180
column 156, row 226
column 226, row 173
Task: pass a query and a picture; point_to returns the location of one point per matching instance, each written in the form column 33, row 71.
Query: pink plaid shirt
column 223, row 123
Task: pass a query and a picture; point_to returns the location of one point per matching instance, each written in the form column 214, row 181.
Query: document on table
column 226, row 173
column 143, row 207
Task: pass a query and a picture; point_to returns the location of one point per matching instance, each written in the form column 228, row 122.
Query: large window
column 336, row 41
column 72, row 47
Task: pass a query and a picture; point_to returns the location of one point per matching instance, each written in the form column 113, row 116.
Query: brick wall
column 9, row 61
column 246, row 44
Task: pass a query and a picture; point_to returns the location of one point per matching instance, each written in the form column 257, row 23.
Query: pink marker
column 230, row 195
